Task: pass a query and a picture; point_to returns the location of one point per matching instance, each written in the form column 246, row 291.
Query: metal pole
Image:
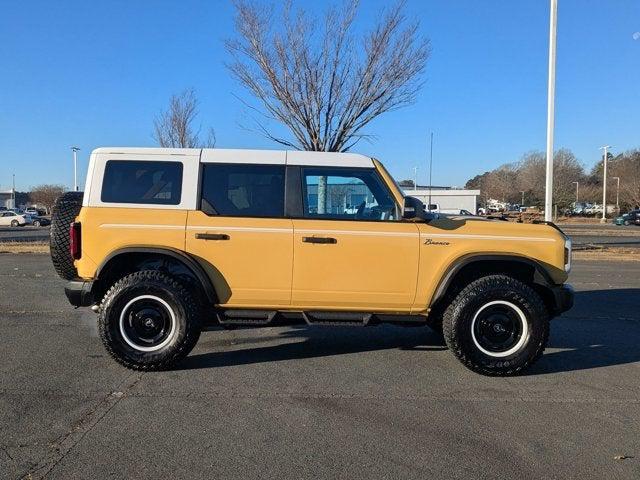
column 577, row 184
column 553, row 21
column 13, row 192
column 522, row 204
column 604, row 185
column 430, row 169
column 75, row 168
column 415, row 178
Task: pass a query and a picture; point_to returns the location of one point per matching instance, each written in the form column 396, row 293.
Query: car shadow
column 602, row 329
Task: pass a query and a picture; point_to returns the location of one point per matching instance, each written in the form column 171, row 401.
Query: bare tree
column 174, row 128
column 45, row 195
column 317, row 80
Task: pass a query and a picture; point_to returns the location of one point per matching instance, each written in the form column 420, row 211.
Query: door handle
column 212, row 236
column 319, row 240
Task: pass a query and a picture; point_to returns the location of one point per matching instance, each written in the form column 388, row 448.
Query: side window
column 142, row 182
column 346, row 193
column 242, row 190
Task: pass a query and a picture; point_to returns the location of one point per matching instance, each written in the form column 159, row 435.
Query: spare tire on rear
column 65, row 209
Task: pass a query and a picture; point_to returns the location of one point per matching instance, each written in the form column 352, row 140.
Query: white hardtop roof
column 277, row 157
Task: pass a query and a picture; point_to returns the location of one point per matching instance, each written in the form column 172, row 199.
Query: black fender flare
column 541, row 276
column 180, row 256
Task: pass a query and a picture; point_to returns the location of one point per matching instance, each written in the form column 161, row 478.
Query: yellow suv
column 166, row 242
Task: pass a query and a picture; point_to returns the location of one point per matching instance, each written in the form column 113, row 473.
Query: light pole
column 75, row 168
column 551, row 92
column 577, row 184
column 522, row 204
column 13, row 192
column 604, row 185
column 415, row 178
column 617, row 194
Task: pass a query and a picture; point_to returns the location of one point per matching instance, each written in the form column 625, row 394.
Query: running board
column 246, row 317
column 264, row 318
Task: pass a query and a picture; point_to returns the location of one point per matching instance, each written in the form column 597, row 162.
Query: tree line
column 508, row 182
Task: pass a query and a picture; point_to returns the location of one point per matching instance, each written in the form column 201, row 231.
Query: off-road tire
column 460, row 314
column 186, row 312
column 65, row 209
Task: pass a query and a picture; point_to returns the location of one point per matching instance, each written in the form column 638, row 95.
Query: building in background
column 7, row 198
column 447, row 198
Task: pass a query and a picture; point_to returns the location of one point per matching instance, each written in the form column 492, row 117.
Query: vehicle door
column 351, row 249
column 239, row 234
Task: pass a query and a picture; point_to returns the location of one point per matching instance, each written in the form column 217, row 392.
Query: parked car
column 166, row 242
column 12, row 219
column 34, row 212
column 39, row 221
column 631, row 218
column 455, row 211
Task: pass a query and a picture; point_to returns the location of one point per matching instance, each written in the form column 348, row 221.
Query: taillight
column 75, row 245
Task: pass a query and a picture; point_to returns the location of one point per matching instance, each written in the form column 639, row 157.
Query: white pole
column 577, row 185
column 415, row 178
column 617, row 194
column 604, row 186
column 75, row 168
column 553, row 21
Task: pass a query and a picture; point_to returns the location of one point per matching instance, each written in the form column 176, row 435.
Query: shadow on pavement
column 603, row 329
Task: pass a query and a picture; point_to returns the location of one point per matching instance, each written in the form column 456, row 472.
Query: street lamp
column 522, row 204
column 551, row 91
column 617, row 194
column 604, row 185
column 75, row 168
column 577, row 184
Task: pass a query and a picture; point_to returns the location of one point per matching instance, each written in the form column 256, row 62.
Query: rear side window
column 243, row 190
column 142, row 182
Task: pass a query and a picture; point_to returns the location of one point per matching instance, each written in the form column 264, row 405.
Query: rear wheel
column 496, row 325
column 626, row 222
column 14, row 223
column 36, row 223
column 149, row 321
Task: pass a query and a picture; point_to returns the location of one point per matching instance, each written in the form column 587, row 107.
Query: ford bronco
column 164, row 243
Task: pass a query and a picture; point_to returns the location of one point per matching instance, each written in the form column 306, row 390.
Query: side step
column 246, row 317
column 340, row 318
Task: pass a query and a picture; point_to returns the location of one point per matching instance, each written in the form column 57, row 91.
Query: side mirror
column 412, row 208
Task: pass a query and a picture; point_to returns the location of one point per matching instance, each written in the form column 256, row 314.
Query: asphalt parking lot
column 351, row 403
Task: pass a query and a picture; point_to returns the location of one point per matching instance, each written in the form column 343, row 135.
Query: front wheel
column 497, row 325
column 626, row 222
column 36, row 223
column 149, row 321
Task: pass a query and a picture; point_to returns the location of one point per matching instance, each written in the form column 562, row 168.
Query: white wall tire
column 513, row 348
column 523, row 335
column 137, row 342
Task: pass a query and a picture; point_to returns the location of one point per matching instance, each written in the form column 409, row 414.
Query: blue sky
column 96, row 73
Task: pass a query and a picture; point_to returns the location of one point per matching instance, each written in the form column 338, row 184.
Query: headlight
column 567, row 255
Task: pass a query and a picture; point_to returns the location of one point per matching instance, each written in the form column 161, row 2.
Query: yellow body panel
column 250, row 269
column 107, row 229
column 372, row 266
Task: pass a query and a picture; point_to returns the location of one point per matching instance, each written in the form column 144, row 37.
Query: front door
column 351, row 249
column 240, row 235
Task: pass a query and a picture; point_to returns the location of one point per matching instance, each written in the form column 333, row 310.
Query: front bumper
column 563, row 298
column 79, row 293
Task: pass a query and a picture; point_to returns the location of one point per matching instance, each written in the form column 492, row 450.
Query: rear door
column 351, row 250
column 240, row 236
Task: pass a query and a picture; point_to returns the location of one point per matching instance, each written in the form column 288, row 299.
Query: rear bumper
column 79, row 293
column 563, row 298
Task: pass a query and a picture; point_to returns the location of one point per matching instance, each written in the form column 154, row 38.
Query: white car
column 12, row 219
